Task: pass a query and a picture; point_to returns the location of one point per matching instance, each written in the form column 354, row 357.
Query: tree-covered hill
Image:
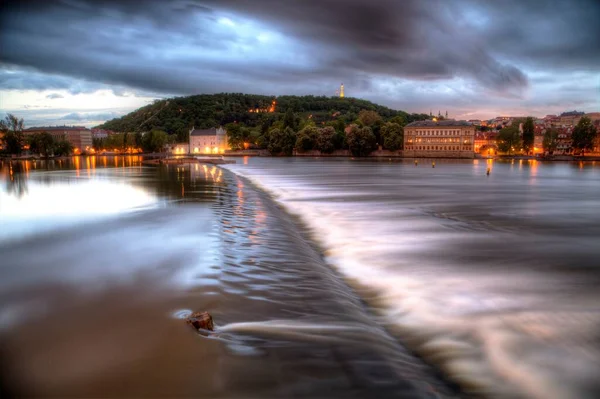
column 178, row 115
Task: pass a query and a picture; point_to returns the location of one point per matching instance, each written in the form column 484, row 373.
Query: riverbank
column 186, row 160
column 34, row 158
column 166, row 158
column 399, row 155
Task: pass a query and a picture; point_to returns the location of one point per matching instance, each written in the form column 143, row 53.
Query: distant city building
column 500, row 121
column 538, row 139
column 101, row 133
column 79, row 136
column 208, row 141
column 551, row 120
column 594, row 116
column 342, row 90
column 445, row 138
column 572, row 113
column 564, row 141
column 570, row 118
column 474, row 122
column 485, row 143
column 479, row 140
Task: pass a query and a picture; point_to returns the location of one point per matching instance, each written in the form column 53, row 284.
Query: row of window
column 438, row 140
column 203, row 143
column 438, row 148
column 439, row 132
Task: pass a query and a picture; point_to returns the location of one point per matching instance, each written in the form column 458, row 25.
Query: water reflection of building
column 16, row 177
column 445, row 138
column 205, row 172
column 208, row 141
column 79, row 137
column 570, row 118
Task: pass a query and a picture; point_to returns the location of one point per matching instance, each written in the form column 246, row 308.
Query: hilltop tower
column 342, row 91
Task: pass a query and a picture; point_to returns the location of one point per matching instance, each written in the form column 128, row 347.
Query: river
column 493, row 278
column 326, row 278
column 101, row 258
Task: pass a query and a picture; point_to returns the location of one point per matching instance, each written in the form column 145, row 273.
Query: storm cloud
column 297, row 47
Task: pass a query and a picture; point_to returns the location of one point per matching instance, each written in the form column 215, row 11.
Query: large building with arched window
column 444, row 139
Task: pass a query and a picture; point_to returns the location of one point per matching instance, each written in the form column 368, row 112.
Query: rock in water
column 201, row 321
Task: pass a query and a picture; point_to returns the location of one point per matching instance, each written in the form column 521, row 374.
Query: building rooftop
column 572, row 113
column 438, row 123
column 204, row 132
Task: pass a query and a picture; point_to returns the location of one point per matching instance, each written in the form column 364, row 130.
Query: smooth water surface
column 101, row 258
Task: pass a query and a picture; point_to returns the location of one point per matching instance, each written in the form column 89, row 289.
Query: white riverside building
column 443, row 139
column 208, row 141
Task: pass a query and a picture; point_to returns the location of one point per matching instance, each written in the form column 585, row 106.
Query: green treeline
column 293, row 132
column 13, row 141
column 511, row 141
column 301, row 122
column 152, row 141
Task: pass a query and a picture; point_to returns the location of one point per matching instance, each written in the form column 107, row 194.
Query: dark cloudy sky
column 81, row 62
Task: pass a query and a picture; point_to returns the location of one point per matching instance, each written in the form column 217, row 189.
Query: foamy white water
column 493, row 279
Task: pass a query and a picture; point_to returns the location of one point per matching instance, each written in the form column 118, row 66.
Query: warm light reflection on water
column 86, row 308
